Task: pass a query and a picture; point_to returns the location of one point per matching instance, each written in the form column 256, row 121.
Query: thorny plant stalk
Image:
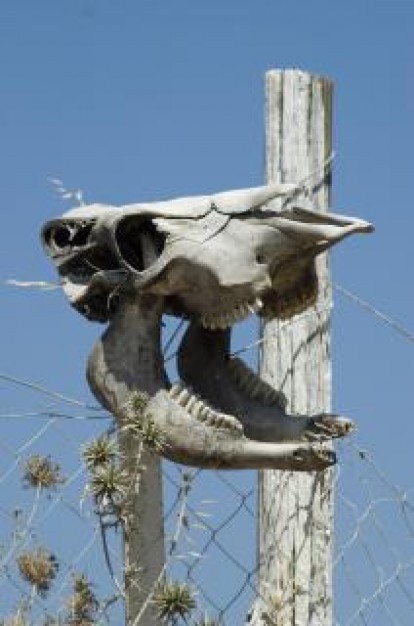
column 32, row 598
column 186, row 483
column 103, row 528
column 134, row 483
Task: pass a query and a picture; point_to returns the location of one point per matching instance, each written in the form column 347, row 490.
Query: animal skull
column 212, row 260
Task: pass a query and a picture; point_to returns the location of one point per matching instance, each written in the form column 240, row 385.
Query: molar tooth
column 251, row 384
column 191, row 403
column 213, row 418
column 230, row 422
column 176, row 389
column 220, row 420
column 196, row 408
column 183, row 397
column 225, row 421
column 236, row 426
column 203, row 413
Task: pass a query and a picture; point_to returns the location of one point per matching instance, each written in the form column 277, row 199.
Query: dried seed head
column 141, row 425
column 137, row 403
column 150, row 434
column 100, row 451
column 174, row 600
column 83, row 604
column 41, row 472
column 108, row 481
column 38, row 568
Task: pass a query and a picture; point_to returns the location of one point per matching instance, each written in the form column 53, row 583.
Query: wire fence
column 52, row 529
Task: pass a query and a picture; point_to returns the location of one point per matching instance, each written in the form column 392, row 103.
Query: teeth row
column 255, row 387
column 293, row 303
column 228, row 318
column 198, row 409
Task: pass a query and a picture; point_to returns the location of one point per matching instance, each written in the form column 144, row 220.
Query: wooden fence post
column 296, row 509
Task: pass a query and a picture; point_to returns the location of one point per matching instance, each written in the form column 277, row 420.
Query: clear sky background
column 131, row 100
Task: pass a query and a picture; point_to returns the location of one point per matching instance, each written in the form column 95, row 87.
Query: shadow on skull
column 212, row 260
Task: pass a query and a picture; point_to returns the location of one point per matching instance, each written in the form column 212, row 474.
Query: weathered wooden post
column 296, row 509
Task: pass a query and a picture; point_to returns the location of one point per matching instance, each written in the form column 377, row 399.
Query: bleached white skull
column 213, row 260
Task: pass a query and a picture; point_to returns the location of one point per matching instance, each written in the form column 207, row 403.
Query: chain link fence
column 210, row 521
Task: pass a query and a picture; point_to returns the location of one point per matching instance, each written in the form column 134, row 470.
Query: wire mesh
column 216, row 551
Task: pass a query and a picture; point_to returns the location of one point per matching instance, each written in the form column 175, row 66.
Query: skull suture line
column 214, row 260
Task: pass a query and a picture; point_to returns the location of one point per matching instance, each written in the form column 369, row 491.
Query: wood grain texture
column 296, row 509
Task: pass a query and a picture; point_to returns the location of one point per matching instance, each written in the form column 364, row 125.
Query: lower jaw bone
column 127, row 360
column 229, row 384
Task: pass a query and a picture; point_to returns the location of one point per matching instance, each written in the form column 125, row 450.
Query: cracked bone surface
column 213, row 260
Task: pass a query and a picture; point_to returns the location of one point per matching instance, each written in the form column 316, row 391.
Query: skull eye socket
column 139, row 243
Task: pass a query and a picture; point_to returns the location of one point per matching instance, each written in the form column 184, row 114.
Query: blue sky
column 134, row 100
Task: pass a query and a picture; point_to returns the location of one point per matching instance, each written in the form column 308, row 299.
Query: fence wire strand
column 216, row 555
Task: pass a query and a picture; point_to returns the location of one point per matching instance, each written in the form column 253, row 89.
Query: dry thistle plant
column 108, row 482
column 38, row 568
column 100, row 451
column 173, row 600
column 141, row 425
column 41, row 472
column 82, row 605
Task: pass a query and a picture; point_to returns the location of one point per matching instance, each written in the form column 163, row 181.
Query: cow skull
column 212, row 260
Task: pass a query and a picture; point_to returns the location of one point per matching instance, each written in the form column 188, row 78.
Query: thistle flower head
column 38, row 568
column 141, row 424
column 108, row 481
column 41, row 472
column 174, row 600
column 83, row 603
column 100, row 451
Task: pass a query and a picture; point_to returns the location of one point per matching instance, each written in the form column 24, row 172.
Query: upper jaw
column 86, row 247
